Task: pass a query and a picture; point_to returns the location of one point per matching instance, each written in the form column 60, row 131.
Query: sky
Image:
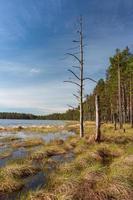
column 35, row 36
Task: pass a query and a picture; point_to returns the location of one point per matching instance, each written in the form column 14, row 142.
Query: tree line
column 68, row 115
column 108, row 91
column 14, row 115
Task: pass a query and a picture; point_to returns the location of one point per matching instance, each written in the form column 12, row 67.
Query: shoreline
column 44, row 128
column 69, row 125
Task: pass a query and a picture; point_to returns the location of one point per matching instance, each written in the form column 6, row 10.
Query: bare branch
column 70, row 54
column 75, row 41
column 78, row 91
column 73, row 48
column 76, row 53
column 72, row 83
column 73, row 74
column 87, row 78
column 77, row 97
column 76, row 67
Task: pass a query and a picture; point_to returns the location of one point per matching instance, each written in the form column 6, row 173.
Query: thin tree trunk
column 115, row 121
column 131, row 102
column 81, row 82
column 98, row 124
column 111, row 115
column 119, row 96
column 124, row 105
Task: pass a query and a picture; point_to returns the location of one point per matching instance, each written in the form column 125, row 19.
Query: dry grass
column 5, row 154
column 41, row 129
column 9, row 184
column 19, row 170
column 48, row 150
column 27, row 143
column 99, row 171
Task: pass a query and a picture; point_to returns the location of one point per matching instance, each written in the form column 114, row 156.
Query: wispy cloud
column 35, row 71
column 40, row 98
column 18, row 68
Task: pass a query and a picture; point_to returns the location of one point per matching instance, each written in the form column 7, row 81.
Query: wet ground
column 7, row 154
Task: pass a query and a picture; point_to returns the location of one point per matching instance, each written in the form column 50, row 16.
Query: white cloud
column 35, row 71
column 15, row 67
column 39, row 99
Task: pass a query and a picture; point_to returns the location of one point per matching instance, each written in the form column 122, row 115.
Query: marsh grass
column 13, row 174
column 9, row 184
column 40, row 129
column 45, row 129
column 5, row 154
column 19, row 170
column 9, row 139
column 99, row 171
column 50, row 149
column 27, row 143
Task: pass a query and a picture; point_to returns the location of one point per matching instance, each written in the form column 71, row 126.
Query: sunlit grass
column 5, row 154
column 27, row 143
column 41, row 129
column 99, row 171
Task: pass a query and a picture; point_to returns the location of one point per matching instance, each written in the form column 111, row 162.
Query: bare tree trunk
column 111, row 116
column 119, row 96
column 131, row 102
column 115, row 121
column 124, row 104
column 128, row 108
column 79, row 78
column 98, row 124
column 81, row 82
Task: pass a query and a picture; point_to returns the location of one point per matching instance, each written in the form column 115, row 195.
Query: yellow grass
column 99, row 171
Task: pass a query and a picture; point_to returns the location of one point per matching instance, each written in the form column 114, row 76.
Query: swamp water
column 39, row 179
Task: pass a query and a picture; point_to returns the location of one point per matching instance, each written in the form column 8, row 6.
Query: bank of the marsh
column 26, row 157
column 98, row 171
column 71, row 168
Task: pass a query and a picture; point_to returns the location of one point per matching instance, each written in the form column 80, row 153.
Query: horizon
column 34, row 37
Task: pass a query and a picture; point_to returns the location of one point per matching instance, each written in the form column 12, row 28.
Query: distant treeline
column 14, row 115
column 69, row 115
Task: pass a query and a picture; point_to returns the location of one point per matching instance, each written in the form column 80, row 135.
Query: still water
column 18, row 122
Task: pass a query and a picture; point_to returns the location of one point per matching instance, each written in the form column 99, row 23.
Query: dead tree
column 98, row 123
column 79, row 77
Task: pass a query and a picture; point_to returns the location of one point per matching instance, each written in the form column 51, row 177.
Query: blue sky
column 36, row 34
